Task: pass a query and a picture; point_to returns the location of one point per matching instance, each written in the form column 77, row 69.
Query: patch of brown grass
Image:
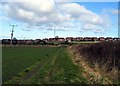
column 98, row 60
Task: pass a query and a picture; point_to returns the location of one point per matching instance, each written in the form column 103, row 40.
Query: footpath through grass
column 56, row 68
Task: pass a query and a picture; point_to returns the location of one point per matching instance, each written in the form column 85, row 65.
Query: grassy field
column 17, row 59
column 84, row 63
column 39, row 65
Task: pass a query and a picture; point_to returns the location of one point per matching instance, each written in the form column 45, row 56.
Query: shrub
column 105, row 54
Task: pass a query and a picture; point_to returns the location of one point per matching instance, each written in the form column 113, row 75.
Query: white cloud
column 24, row 29
column 78, row 12
column 45, row 14
column 98, row 31
column 89, row 27
column 112, row 11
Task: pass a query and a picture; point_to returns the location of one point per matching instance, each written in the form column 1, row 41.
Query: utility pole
column 13, row 26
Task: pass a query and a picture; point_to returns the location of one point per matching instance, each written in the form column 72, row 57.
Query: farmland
column 17, row 58
column 29, row 65
column 82, row 63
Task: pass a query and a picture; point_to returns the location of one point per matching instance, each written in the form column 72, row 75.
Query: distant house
column 109, row 39
column 51, row 40
column 115, row 39
column 74, row 39
column 118, row 39
column 30, row 42
column 5, row 41
column 79, row 38
column 101, row 39
column 69, row 39
column 56, row 40
column 20, row 41
column 37, row 41
column 61, row 40
column 46, row 40
column 94, row 39
column 14, row 41
column 87, row 38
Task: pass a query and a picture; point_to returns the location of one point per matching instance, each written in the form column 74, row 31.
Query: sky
column 40, row 18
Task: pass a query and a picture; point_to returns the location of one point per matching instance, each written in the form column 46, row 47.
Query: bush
column 105, row 54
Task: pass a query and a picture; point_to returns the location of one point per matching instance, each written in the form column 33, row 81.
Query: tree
column 14, row 41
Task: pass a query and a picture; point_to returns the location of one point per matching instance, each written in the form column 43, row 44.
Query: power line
column 13, row 26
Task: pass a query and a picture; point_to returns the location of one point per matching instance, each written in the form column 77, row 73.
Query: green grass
column 16, row 59
column 58, row 70
column 54, row 66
